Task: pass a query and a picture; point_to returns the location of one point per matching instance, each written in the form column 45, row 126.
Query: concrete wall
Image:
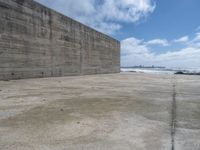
column 36, row 41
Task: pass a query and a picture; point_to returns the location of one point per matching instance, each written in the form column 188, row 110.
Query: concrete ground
column 127, row 111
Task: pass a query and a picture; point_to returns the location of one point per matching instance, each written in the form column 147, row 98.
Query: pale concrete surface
column 126, row 111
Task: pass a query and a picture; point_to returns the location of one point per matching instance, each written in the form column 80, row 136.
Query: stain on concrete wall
column 36, row 41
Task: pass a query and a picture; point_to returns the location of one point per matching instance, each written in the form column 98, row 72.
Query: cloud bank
column 183, row 39
column 104, row 15
column 162, row 42
column 137, row 52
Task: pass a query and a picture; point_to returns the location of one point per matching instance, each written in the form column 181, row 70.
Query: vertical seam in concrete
column 173, row 114
column 81, row 56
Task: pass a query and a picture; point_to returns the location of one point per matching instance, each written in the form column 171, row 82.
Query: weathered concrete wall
column 36, row 41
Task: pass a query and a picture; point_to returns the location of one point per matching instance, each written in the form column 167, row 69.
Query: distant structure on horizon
column 142, row 66
column 36, row 41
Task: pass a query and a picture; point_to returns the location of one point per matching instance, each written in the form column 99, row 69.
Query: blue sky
column 171, row 19
column 152, row 32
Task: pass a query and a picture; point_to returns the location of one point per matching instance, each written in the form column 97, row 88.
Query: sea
column 160, row 70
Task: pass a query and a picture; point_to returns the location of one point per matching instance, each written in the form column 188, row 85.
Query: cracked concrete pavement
column 126, row 111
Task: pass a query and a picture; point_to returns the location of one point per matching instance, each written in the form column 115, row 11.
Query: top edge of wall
column 41, row 5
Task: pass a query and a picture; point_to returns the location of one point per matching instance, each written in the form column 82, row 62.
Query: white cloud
column 162, row 42
column 103, row 15
column 183, row 39
column 196, row 41
column 126, row 10
column 197, row 37
column 136, row 52
column 133, row 46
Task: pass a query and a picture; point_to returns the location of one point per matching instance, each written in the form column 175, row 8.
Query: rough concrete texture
column 126, row 111
column 38, row 42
